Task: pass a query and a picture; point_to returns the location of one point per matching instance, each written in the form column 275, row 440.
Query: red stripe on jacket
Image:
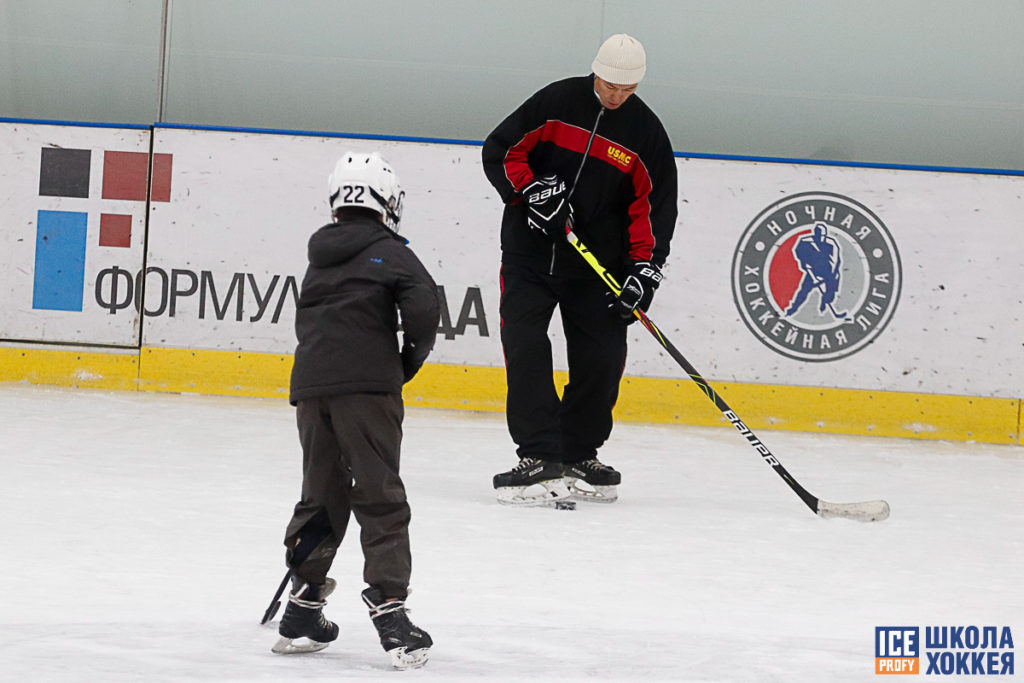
column 574, row 139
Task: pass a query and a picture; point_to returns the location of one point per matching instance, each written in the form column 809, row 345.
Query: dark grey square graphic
column 64, row 172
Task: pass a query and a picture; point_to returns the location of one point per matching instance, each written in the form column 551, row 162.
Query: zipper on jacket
column 586, row 153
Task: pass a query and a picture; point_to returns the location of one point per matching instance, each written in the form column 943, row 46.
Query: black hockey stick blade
column 868, row 511
column 275, row 603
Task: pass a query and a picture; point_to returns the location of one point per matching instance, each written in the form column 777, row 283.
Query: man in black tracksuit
column 347, row 387
column 623, row 206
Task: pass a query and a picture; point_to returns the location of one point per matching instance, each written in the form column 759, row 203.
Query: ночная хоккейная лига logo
column 816, row 276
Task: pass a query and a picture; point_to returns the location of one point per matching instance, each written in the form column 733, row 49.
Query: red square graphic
column 115, row 230
column 161, row 177
column 125, row 175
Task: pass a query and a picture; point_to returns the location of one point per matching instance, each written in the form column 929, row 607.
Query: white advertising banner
column 791, row 274
column 228, row 253
column 72, row 229
column 780, row 273
column 848, row 277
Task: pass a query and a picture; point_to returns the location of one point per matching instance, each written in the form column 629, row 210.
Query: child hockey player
column 346, row 385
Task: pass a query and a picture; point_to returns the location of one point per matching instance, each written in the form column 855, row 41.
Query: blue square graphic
column 897, row 641
column 60, row 260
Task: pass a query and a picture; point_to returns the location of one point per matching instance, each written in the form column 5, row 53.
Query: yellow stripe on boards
column 229, row 373
column 833, row 411
column 468, row 387
column 115, row 369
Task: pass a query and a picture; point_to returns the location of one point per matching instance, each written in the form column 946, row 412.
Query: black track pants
column 573, row 428
column 350, row 454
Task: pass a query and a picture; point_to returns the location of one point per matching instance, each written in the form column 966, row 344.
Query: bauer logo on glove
column 637, row 290
column 650, row 272
column 546, row 207
column 539, row 191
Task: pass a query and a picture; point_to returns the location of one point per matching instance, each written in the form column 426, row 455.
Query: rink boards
column 169, row 259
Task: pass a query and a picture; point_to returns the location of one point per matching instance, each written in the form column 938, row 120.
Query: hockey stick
column 820, row 286
column 275, row 603
column 868, row 511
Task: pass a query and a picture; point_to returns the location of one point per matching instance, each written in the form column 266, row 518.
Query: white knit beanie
column 621, row 60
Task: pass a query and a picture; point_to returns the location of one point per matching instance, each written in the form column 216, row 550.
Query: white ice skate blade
column 296, row 646
column 400, row 659
column 545, row 494
column 591, row 494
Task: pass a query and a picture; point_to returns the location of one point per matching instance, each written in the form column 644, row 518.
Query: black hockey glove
column 411, row 363
column 637, row 290
column 546, row 205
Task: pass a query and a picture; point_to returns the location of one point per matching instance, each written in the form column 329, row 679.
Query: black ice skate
column 600, row 479
column 408, row 645
column 303, row 620
column 512, row 485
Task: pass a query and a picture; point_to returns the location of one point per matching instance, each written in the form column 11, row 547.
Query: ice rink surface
column 142, row 542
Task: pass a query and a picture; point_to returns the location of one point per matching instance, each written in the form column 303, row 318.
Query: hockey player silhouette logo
column 816, row 276
column 819, row 258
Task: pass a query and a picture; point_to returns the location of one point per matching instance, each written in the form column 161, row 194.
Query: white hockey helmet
column 367, row 181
